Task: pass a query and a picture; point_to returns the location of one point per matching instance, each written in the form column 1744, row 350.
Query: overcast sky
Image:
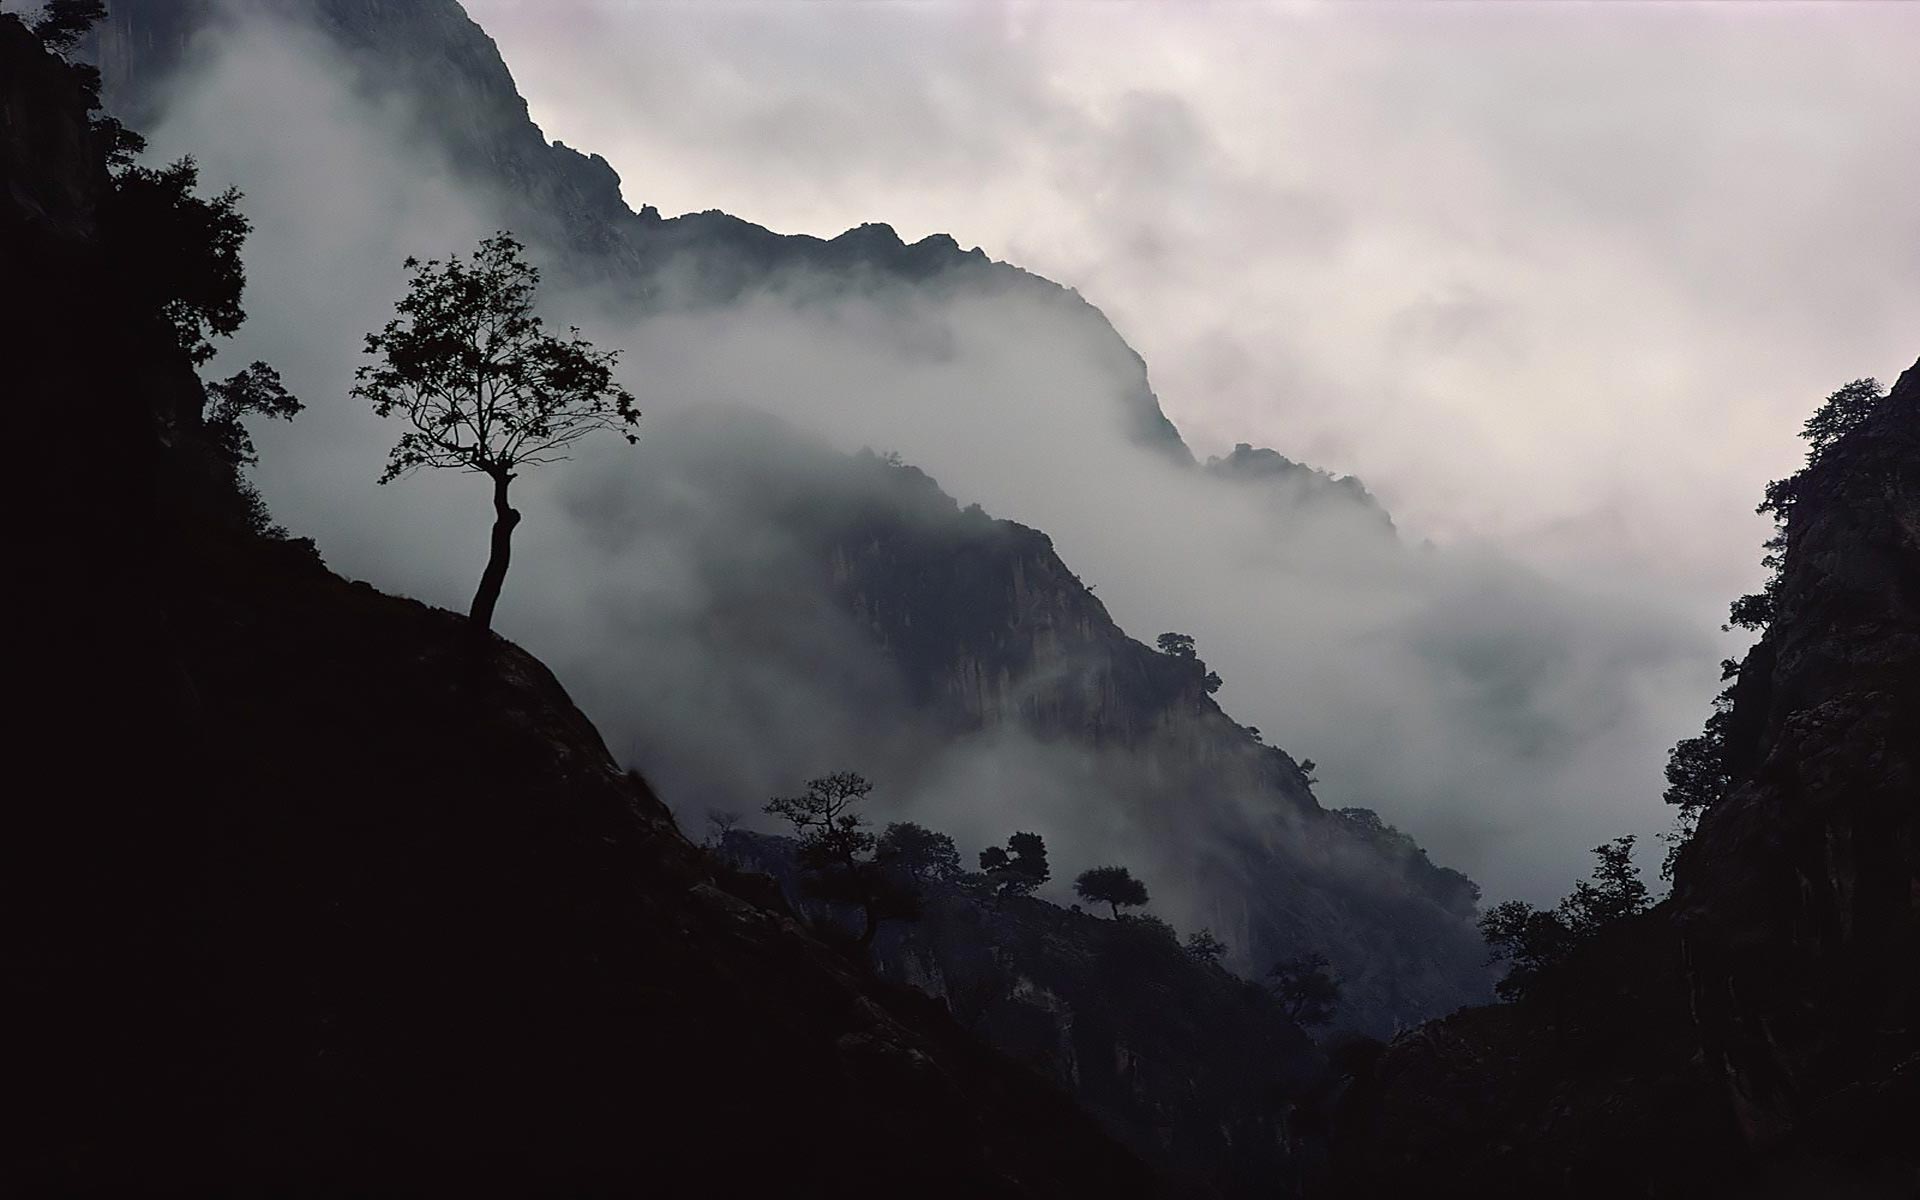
column 1559, row 283
column 1564, row 277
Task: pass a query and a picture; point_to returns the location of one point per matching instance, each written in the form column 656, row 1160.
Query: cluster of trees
column 883, row 876
column 1180, row 645
column 1698, row 775
column 1535, row 941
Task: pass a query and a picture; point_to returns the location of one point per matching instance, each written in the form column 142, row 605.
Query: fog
column 1508, row 712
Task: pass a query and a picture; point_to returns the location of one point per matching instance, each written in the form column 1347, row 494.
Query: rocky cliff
column 1754, row 1034
column 320, row 897
column 976, row 625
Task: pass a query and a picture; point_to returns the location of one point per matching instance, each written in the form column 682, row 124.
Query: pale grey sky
column 1562, row 276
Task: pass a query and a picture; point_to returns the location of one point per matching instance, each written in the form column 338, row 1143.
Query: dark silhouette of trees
column 1111, row 886
column 255, row 391
column 1534, row 942
column 180, row 253
column 1204, row 947
column 918, row 851
column 1839, row 414
column 1305, row 988
column 484, row 386
column 62, row 23
column 1018, row 868
column 837, row 852
column 1180, row 645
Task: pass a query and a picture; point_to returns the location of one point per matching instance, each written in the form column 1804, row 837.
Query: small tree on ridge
column 1111, row 886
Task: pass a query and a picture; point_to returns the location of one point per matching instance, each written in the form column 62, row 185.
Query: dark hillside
column 318, row 898
column 1754, row 1034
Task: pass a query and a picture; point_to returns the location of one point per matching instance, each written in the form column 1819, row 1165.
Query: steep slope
column 1192, row 1067
column 326, row 898
column 978, row 627
column 980, row 672
column 1755, row 1032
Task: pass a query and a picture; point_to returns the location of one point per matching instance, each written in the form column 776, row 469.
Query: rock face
column 984, row 626
column 325, row 898
column 1754, row 1033
column 992, row 651
column 1192, row 1067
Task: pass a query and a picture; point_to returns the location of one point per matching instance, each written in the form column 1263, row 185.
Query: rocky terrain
column 323, row 897
column 978, row 625
column 1753, row 1034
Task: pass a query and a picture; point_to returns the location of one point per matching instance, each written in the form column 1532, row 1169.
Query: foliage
column 179, row 254
column 1839, row 414
column 1211, row 681
column 484, row 386
column 473, row 370
column 1018, row 868
column 1533, row 942
column 1111, row 886
column 721, row 822
column 257, row 390
column 837, row 851
column 62, row 23
column 1204, row 947
column 1305, row 988
column 1179, row 645
column 919, row 851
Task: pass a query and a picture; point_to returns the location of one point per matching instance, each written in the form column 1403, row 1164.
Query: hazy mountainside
column 1194, row 1068
column 992, row 685
column 323, row 897
column 1755, row 1032
column 925, row 641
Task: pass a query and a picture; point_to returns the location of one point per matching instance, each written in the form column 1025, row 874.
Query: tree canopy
column 1533, row 942
column 918, row 851
column 1017, row 868
column 484, row 386
column 1114, row 887
column 837, row 851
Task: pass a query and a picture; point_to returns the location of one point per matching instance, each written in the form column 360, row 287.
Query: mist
column 1508, row 717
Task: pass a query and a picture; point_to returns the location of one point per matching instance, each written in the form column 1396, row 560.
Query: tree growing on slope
column 918, row 851
column 1017, row 868
column 837, row 851
column 484, row 386
column 1533, row 942
column 1111, row 886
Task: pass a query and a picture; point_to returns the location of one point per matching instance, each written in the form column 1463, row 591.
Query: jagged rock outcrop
column 320, row 897
column 1754, row 1034
column 1194, row 1068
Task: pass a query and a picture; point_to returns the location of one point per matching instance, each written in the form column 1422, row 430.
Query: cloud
column 1492, row 357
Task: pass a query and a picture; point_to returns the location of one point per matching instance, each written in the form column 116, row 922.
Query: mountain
column 319, row 895
column 1193, row 1068
column 943, row 652
column 1753, row 1034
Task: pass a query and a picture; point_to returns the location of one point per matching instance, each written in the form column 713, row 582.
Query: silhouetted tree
column 1111, row 886
column 1305, row 989
column 1019, row 867
column 1530, row 940
column 836, row 851
column 1179, row 645
column 255, row 391
column 1614, row 893
column 1533, row 942
column 179, row 254
column 1205, row 947
column 1211, row 681
column 484, row 386
column 1839, row 414
column 62, row 23
column 918, row 851
column 721, row 823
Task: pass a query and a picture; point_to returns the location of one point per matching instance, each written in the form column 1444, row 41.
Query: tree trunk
column 505, row 517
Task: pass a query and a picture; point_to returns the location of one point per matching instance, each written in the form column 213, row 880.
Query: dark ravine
column 1754, row 1034
column 316, row 901
column 987, row 627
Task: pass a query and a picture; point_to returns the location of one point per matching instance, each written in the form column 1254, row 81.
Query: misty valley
column 541, row 697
